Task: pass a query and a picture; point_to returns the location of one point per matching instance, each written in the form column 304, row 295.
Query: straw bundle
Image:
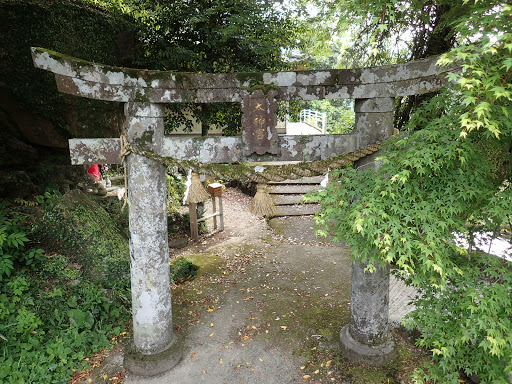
column 197, row 193
column 262, row 204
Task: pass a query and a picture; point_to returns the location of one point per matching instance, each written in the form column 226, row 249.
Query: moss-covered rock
column 78, row 227
column 182, row 270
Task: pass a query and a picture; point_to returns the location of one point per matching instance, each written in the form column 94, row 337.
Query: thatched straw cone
column 262, row 204
column 196, row 192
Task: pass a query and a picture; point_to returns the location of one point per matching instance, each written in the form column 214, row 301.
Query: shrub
column 52, row 314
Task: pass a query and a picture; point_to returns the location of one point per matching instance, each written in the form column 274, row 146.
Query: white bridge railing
column 314, row 118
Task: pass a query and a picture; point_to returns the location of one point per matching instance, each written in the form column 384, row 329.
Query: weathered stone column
column 154, row 348
column 374, row 119
column 366, row 338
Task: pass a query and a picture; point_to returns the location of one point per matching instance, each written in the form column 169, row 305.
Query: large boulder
column 21, row 122
column 35, row 118
column 77, row 226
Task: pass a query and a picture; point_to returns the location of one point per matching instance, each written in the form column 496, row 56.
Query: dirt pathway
column 240, row 226
column 267, row 307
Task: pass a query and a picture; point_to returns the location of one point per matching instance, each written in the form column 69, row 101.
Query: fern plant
column 12, row 242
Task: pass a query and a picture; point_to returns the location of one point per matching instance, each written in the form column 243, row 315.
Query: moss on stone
column 182, row 269
column 182, row 77
column 207, row 263
column 278, row 226
column 75, row 63
column 266, row 88
column 76, row 226
column 253, row 77
column 141, row 97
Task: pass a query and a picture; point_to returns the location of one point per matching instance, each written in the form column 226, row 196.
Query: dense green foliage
column 52, row 314
column 362, row 33
column 450, row 175
column 475, row 312
column 86, row 233
column 206, row 36
column 72, row 27
column 382, row 31
column 11, row 240
column 175, row 189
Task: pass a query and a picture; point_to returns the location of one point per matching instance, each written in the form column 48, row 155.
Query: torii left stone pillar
column 149, row 251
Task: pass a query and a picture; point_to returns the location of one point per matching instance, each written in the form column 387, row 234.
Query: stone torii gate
column 155, row 347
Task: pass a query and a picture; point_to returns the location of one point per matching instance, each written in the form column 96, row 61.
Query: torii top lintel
column 96, row 81
column 258, row 93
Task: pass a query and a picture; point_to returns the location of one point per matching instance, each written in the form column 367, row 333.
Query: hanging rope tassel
column 196, row 192
column 262, row 204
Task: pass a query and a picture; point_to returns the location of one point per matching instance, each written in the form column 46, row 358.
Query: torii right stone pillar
column 366, row 338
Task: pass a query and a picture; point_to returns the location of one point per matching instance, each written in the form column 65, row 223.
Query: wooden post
column 194, row 230
column 215, row 190
column 221, row 214
column 214, row 206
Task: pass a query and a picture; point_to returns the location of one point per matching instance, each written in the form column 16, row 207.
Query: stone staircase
column 288, row 196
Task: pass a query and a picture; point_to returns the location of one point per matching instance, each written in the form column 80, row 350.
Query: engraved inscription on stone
column 259, row 121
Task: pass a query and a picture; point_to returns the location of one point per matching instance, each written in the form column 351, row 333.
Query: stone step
column 288, row 199
column 292, row 189
column 302, row 180
column 297, row 210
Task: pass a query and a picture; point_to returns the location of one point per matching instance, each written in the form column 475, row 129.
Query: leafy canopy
column 214, row 37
